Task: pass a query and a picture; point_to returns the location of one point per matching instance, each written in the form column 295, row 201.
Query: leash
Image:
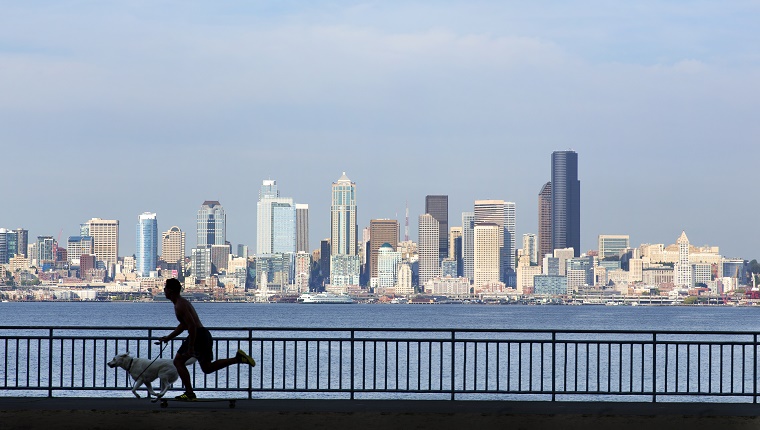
column 154, row 360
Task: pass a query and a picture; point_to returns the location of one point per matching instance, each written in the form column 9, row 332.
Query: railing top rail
column 397, row 329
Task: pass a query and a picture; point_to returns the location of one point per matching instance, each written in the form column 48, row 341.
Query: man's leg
column 184, row 374
column 213, row 366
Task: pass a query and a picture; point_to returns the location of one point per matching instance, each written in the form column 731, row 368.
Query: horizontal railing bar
column 406, row 330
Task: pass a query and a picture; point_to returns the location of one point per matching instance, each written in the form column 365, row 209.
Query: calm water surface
column 161, row 314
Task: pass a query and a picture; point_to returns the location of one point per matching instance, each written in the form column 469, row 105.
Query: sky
column 112, row 109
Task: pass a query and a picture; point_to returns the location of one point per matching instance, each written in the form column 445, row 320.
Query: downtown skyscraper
column 344, row 259
column 566, row 201
column 146, row 244
column 211, row 226
column 275, row 221
column 438, row 207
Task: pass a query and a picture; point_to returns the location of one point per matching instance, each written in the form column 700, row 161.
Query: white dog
column 145, row 371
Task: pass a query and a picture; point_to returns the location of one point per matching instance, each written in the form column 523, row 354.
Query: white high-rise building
column 530, row 248
column 344, row 259
column 211, row 224
column 468, row 245
column 173, row 247
column 388, row 260
column 404, row 281
column 611, row 245
column 427, row 248
column 105, row 240
column 682, row 270
column 302, row 227
column 146, row 246
column 486, row 254
column 275, row 221
column 510, row 228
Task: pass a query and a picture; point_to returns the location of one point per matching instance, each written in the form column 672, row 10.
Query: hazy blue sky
column 111, row 109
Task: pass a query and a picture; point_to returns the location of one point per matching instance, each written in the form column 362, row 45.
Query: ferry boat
column 321, row 298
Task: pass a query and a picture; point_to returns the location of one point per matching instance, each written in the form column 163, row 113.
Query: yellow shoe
column 186, row 397
column 245, row 358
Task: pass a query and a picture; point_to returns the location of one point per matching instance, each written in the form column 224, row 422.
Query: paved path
column 138, row 414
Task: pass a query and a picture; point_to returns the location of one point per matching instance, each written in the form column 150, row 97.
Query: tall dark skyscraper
column 566, row 201
column 438, row 207
column 544, row 221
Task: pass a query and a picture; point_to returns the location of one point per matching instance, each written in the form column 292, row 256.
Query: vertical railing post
column 352, row 365
column 50, row 362
column 654, row 368
column 554, row 366
column 250, row 370
column 754, row 373
column 453, row 365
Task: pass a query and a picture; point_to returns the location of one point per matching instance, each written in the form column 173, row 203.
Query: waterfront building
column 612, row 245
column 22, row 239
column 610, row 264
column 438, row 207
column 220, row 255
column 735, row 269
column 510, row 239
column 324, row 259
column 550, row 285
column 486, row 238
column 545, row 221
column 201, row 262
column 468, row 245
column 600, row 276
column 146, row 244
column 173, row 248
column 583, row 264
column 19, row 263
column 211, row 224
column 701, row 273
column 404, row 286
column 501, row 214
column 657, row 275
column 618, row 277
column 428, row 248
column 275, row 271
column 344, row 270
column 345, row 265
column 455, row 251
column 45, row 252
column 381, row 232
column 105, row 238
column 566, row 201
column 530, row 248
column 551, row 265
column 449, row 268
column 563, row 255
column 302, row 272
column 576, row 279
column 302, row 227
column 76, row 246
column 8, row 245
column 635, row 268
column 682, row 269
column 388, row 261
column 525, row 274
column 449, row 287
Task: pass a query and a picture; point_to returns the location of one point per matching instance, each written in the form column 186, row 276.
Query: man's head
column 172, row 287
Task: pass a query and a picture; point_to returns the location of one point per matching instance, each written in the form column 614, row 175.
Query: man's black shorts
column 204, row 345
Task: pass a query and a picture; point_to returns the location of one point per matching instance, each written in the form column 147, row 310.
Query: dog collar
column 130, row 364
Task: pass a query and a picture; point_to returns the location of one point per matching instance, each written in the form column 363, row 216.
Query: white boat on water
column 321, row 298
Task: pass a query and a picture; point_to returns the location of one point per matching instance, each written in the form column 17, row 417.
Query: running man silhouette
column 199, row 343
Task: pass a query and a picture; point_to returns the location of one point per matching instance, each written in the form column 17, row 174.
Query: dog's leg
column 164, row 388
column 136, row 386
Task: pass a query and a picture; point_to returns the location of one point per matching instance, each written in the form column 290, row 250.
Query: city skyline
column 460, row 99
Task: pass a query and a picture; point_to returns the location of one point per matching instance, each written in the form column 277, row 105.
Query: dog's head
column 120, row 360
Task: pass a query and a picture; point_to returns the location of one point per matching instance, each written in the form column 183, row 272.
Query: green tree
column 690, row 300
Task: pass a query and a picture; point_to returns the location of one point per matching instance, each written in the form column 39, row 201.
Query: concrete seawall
column 75, row 413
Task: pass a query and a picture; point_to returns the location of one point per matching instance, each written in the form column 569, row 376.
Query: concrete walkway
column 126, row 413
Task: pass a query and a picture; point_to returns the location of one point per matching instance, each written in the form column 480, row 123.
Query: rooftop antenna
column 406, row 223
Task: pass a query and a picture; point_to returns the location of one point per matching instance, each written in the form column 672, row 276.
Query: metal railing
column 456, row 364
